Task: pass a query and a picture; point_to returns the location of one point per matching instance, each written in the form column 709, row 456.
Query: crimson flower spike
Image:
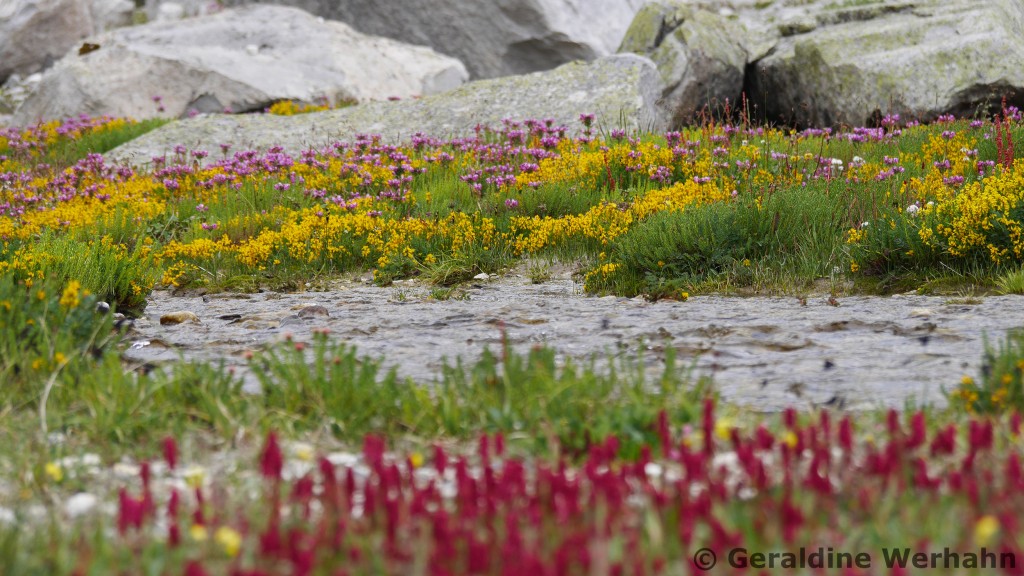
column 846, row 434
column 170, row 452
column 709, row 426
column 664, row 433
column 271, row 459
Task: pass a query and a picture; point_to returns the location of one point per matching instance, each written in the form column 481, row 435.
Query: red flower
column 271, row 460
column 194, row 568
column 170, row 452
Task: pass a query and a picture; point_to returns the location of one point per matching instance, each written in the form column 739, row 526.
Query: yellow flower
column 790, row 439
column 854, row 267
column 54, row 471
column 41, row 295
column 684, row 296
column 1007, row 379
column 984, row 529
column 967, row 381
column 198, row 532
column 229, row 539
column 70, row 297
column 59, row 358
column 194, row 476
column 723, row 428
column 746, row 262
column 303, row 451
column 416, row 459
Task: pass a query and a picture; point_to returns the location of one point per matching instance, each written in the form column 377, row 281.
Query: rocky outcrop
column 697, row 53
column 621, row 91
column 36, row 33
column 493, row 38
column 830, row 62
column 241, row 60
column 915, row 58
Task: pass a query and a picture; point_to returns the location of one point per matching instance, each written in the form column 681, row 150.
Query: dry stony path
column 766, row 353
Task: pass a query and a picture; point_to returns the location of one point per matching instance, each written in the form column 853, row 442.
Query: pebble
column 179, row 317
column 313, row 311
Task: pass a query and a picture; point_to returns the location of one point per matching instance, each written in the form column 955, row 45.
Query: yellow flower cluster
column 981, row 218
column 291, row 108
column 70, row 298
column 608, row 220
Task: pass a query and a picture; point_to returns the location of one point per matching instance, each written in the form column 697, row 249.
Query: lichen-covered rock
column 621, row 91
column 493, row 38
column 241, row 60
column 697, row 52
column 856, row 61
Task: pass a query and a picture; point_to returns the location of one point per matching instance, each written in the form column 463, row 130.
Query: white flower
column 912, row 210
column 79, row 504
column 653, row 470
column 837, row 162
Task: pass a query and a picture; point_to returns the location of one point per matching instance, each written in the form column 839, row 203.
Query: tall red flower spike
column 271, row 460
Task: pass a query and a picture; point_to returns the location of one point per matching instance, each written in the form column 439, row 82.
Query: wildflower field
column 509, row 463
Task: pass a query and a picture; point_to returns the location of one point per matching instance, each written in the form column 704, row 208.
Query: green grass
column 68, row 151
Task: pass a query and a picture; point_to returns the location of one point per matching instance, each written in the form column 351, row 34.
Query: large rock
column 697, row 52
column 492, row 37
column 36, row 33
column 918, row 58
column 241, row 60
column 621, row 91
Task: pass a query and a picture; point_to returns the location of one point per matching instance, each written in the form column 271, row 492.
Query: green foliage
column 115, row 274
column 50, row 328
column 517, row 394
column 795, row 231
column 999, row 387
column 70, row 150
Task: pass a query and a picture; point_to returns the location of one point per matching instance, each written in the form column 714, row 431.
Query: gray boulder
column 697, row 52
column 36, row 33
column 241, row 60
column 849, row 63
column 492, row 37
column 621, row 91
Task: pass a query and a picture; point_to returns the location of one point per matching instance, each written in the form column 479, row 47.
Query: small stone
column 102, row 307
column 920, row 313
column 252, row 49
column 481, row 276
column 178, row 318
column 313, row 312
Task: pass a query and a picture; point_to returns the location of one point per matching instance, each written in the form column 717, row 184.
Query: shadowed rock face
column 697, row 52
column 917, row 59
column 831, row 62
column 619, row 90
column 492, row 37
column 242, row 60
